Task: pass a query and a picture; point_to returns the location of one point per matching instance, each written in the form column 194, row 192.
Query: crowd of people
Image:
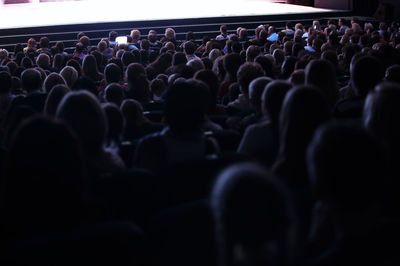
column 275, row 149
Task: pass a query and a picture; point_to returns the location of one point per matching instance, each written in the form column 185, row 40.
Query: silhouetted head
column 272, row 99
column 322, row 75
column 366, row 72
column 115, row 122
column 54, row 98
column 31, row 80
column 44, row 181
column 185, row 105
column 70, row 75
column 303, row 110
column 254, row 219
column 82, row 111
column 393, row 73
column 256, row 89
column 346, row 167
column 246, row 73
column 52, row 80
column 5, row 82
column 114, row 93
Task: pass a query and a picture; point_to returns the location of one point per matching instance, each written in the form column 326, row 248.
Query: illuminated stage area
column 38, row 14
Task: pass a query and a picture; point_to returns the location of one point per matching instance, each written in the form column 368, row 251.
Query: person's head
column 247, row 73
column 138, row 84
column 113, row 73
column 114, row 93
column 54, row 98
column 31, row 80
column 279, row 56
column 44, row 175
column 70, row 75
column 366, row 72
column 252, row 52
column 196, row 64
column 272, row 99
column 288, row 66
column 253, row 217
column 85, row 41
column 152, row 36
column 102, row 46
column 170, row 46
column 83, row 113
column 231, row 64
column 112, row 35
column 179, row 58
column 393, row 74
column 89, row 67
column 157, row 87
column 189, row 47
column 75, row 64
column 346, row 167
column 170, row 33
column 256, row 89
column 31, row 43
column 214, row 54
column 3, row 54
column 223, row 30
column 115, row 122
column 43, row 61
column 381, row 111
column 322, row 75
column 303, row 110
column 52, row 80
column 44, row 42
column 185, row 106
column 5, row 82
column 132, row 112
column 211, row 80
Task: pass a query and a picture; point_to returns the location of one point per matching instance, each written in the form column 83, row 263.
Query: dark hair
column 5, row 82
column 113, row 73
column 346, row 166
column 185, row 105
column 31, row 80
column 252, row 210
column 366, row 73
column 82, row 111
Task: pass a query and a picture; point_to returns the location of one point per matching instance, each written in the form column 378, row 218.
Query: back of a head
column 70, row 75
column 89, row 66
column 252, row 52
column 382, row 111
column 31, row 80
column 115, row 121
column 248, row 72
column 256, row 89
column 189, row 47
column 252, row 212
column 44, row 173
column 346, row 166
column 321, row 74
column 43, row 61
column 267, row 63
column 179, row 58
column 114, row 93
column 232, row 63
column 303, row 110
column 54, row 98
column 211, row 80
column 132, row 112
column 366, row 73
column 272, row 99
column 185, row 105
column 112, row 73
column 196, row 64
column 393, row 74
column 5, row 82
column 52, row 80
column 82, row 111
